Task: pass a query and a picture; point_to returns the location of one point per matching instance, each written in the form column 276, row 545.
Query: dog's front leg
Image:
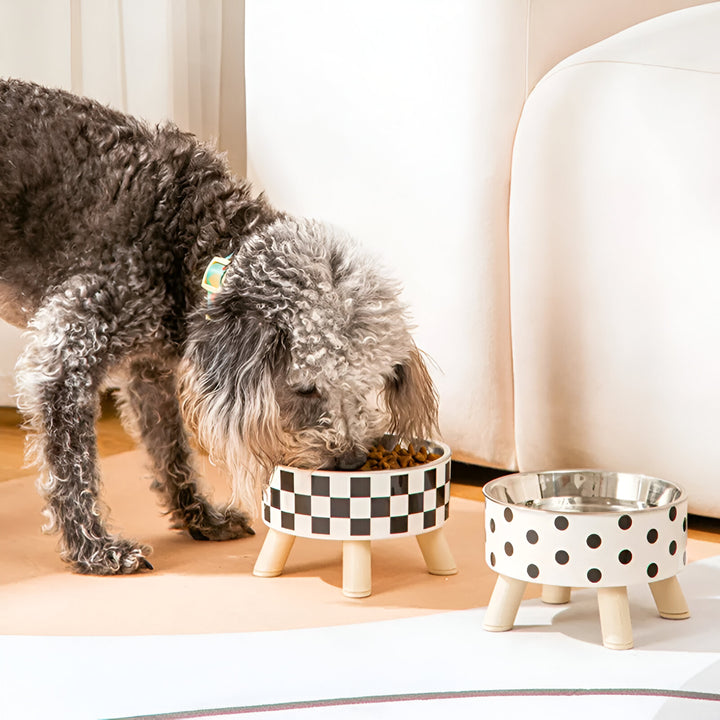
column 150, row 400
column 72, row 340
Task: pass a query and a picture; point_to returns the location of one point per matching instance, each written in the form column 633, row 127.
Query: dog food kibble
column 379, row 458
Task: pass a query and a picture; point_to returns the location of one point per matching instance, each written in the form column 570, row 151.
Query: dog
column 131, row 252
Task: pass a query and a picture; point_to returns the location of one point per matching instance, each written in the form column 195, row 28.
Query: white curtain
column 179, row 60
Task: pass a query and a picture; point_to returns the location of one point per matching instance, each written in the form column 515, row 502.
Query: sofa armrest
column 558, row 28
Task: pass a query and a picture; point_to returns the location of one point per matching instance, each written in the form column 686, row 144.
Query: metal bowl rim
column 681, row 499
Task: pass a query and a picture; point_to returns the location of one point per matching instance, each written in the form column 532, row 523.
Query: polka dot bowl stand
column 585, row 529
column 356, row 508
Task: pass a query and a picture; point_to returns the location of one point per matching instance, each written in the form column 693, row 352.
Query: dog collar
column 214, row 274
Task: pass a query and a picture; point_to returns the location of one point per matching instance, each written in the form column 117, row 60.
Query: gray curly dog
column 301, row 356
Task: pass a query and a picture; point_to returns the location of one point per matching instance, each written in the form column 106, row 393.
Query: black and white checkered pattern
column 344, row 506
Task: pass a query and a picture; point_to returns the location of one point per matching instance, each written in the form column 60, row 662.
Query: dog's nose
column 351, row 460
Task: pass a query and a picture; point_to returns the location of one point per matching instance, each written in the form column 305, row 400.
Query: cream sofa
column 615, row 258
column 395, row 119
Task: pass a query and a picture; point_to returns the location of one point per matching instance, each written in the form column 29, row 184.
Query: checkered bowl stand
column 351, row 506
column 357, row 507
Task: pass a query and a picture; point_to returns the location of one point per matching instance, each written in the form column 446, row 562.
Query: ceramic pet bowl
column 585, row 528
column 356, row 507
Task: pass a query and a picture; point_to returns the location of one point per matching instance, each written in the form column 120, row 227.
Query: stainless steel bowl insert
column 583, row 491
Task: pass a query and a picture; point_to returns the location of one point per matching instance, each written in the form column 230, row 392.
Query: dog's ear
column 227, row 390
column 412, row 400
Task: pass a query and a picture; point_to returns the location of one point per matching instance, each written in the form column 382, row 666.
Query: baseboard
column 469, row 474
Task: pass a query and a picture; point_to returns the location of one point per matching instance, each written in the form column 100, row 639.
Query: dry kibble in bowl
column 380, row 458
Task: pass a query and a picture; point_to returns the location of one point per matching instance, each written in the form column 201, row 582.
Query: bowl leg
column 555, row 595
column 615, row 618
column 504, row 604
column 669, row 599
column 357, row 568
column 436, row 552
column 273, row 554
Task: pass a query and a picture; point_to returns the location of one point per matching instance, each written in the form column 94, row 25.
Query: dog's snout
column 351, row 460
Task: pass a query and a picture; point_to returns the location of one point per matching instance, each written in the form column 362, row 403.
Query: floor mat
column 552, row 664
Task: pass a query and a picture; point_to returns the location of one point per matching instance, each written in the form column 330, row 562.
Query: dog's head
column 303, row 358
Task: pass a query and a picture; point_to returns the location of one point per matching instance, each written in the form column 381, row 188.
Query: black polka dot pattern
column 571, row 549
column 672, row 513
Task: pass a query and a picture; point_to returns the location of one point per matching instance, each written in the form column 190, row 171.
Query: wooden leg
column 273, row 554
column 615, row 618
column 554, row 595
column 357, row 568
column 504, row 604
column 436, row 552
column 669, row 598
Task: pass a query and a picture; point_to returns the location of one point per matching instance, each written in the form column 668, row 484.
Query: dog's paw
column 221, row 524
column 113, row 556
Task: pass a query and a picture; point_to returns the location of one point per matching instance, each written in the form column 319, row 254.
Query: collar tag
column 213, row 277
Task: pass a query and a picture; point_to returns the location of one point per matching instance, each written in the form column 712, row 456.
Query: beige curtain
column 179, row 60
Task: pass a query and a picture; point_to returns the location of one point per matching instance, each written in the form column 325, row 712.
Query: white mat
column 444, row 665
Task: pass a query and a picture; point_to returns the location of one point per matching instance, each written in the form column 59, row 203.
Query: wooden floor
column 113, row 439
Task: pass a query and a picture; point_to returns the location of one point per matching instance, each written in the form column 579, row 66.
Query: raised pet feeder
column 356, row 508
column 585, row 528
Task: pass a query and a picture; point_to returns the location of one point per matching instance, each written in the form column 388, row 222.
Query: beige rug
column 203, row 587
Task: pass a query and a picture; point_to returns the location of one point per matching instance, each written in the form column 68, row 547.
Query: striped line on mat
column 410, row 697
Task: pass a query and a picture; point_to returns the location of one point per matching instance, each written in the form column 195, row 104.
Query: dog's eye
column 309, row 392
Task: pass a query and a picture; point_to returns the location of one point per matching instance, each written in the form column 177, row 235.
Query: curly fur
column 106, row 225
